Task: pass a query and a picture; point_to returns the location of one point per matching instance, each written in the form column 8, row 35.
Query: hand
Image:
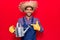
column 36, row 26
column 12, row 29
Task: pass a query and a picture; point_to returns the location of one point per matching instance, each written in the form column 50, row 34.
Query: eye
column 27, row 9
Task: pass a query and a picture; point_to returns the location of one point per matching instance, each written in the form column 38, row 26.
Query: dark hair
column 28, row 6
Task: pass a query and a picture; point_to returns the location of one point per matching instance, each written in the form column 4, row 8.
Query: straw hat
column 24, row 4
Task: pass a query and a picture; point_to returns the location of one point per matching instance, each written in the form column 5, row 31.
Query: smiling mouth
column 29, row 14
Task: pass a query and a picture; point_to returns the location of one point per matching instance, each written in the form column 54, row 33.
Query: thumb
column 12, row 27
column 36, row 22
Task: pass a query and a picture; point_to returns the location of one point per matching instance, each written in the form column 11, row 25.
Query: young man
column 29, row 7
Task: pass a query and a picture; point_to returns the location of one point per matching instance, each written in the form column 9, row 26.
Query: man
column 29, row 7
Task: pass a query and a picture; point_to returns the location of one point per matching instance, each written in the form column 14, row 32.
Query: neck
column 28, row 17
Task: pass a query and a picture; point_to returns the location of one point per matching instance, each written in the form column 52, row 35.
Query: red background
column 48, row 12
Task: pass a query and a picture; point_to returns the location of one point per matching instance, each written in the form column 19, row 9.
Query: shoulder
column 36, row 19
column 20, row 19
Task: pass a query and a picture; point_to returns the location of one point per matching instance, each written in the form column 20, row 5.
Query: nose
column 29, row 10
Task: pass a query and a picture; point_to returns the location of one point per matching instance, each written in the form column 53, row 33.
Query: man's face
column 28, row 11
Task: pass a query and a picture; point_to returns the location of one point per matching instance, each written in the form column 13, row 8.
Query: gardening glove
column 36, row 26
column 12, row 29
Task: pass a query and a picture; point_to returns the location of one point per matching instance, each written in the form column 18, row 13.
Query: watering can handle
column 27, row 29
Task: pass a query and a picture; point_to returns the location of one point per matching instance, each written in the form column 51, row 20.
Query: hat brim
column 23, row 5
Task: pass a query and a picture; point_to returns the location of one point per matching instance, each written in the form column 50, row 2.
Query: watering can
column 20, row 32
